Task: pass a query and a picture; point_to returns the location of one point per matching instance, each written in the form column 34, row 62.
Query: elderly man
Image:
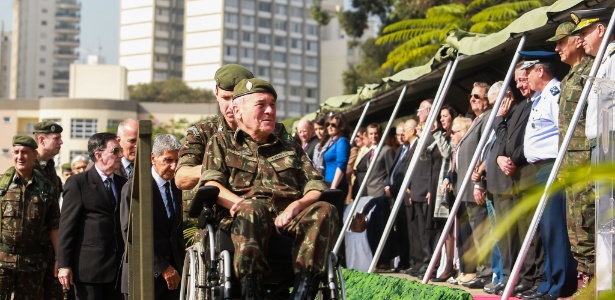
column 168, row 238
column 423, row 112
column 127, row 132
column 399, row 137
column 580, row 202
column 268, row 184
column 90, row 240
column 30, row 216
column 308, row 138
column 540, row 150
column 48, row 136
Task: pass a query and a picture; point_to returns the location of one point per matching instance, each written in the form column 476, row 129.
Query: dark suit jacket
column 467, row 147
column 498, row 183
column 90, row 241
column 379, row 176
column 398, row 177
column 513, row 143
column 422, row 179
column 311, row 144
column 168, row 236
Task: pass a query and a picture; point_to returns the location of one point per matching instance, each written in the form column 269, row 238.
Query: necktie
column 404, row 150
column 129, row 170
column 371, row 154
column 109, row 188
column 169, row 202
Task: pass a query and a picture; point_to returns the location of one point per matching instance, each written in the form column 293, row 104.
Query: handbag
column 358, row 223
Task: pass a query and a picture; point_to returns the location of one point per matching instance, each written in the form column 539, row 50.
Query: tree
column 172, row 90
column 177, row 128
column 416, row 40
column 369, row 71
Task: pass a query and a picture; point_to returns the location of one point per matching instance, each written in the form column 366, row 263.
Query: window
column 164, row 11
column 279, row 73
column 247, row 37
column 43, row 47
column 231, row 3
column 41, row 86
column 296, row 12
column 231, row 34
column 42, row 60
column 112, row 125
column 279, row 107
column 310, row 77
column 41, row 73
column 247, row 53
column 230, row 51
column 281, row 9
column 295, row 59
column 83, row 128
column 264, row 55
column 311, row 107
column 247, row 20
column 295, row 90
column 296, row 44
column 264, row 39
column 294, row 107
column 296, row 27
column 6, row 152
column 262, row 71
column 264, row 6
column 44, row 10
column 294, row 75
column 7, row 120
column 280, row 25
column 279, row 57
column 280, row 41
column 248, row 4
column 311, row 92
column 312, row 29
column 311, row 46
column 83, row 153
column 264, row 23
column 311, row 61
column 230, row 18
column 44, row 23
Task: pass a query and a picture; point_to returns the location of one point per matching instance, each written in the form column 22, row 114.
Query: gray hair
column 77, row 159
column 494, row 90
column 165, row 142
column 120, row 127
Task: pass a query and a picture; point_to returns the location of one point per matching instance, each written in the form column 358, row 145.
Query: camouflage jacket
column 49, row 171
column 278, row 171
column 571, row 87
column 29, row 213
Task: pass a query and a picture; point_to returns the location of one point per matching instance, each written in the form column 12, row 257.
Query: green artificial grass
column 361, row 285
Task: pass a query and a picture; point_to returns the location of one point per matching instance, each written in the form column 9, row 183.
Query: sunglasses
column 115, row 151
column 334, row 125
column 475, row 96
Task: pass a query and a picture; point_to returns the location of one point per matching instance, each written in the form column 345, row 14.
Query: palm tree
column 416, row 40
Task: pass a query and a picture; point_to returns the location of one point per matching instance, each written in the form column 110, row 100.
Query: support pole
column 340, row 239
column 140, row 236
column 356, row 129
column 514, row 274
column 435, row 108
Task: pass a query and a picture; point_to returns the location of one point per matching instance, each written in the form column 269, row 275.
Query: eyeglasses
column 421, row 109
column 475, row 96
column 334, row 125
column 522, row 80
column 115, row 151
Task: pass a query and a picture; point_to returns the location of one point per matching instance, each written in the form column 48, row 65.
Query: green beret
column 586, row 17
column 562, row 31
column 254, row 85
column 66, row 167
column 47, row 127
column 229, row 75
column 24, row 140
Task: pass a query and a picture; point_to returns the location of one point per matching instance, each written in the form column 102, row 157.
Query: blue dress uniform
column 540, row 149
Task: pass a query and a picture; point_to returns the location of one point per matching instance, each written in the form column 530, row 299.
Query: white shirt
column 104, row 177
column 606, row 70
column 541, row 133
column 160, row 182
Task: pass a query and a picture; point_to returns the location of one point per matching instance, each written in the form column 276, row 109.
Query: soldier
column 268, row 184
column 30, row 218
column 578, row 201
column 48, row 136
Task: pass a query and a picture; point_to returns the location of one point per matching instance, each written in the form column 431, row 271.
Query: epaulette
column 554, row 91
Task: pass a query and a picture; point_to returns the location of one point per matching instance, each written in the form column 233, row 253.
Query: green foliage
column 353, row 22
column 172, row 90
column 177, row 128
column 321, row 17
column 288, row 123
column 370, row 70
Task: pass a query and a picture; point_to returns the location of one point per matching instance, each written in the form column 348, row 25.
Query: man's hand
column 505, row 106
column 444, row 186
column 288, row 214
column 479, row 196
column 65, row 276
column 506, row 165
column 475, row 176
column 387, row 191
column 172, row 277
column 428, row 198
column 235, row 206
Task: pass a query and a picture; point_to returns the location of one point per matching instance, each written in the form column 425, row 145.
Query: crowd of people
column 75, row 227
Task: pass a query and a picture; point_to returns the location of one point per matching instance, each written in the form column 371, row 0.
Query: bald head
column 305, row 130
column 410, row 130
column 127, row 137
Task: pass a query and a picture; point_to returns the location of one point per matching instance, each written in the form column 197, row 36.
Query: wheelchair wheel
column 188, row 281
column 333, row 287
column 202, row 290
column 217, row 271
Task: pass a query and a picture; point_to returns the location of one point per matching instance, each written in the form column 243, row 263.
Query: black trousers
column 509, row 243
column 97, row 291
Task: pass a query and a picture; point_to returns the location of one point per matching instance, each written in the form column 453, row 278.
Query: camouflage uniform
column 271, row 175
column 51, row 285
column 579, row 200
column 29, row 213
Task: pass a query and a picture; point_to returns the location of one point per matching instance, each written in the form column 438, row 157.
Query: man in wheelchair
column 268, row 185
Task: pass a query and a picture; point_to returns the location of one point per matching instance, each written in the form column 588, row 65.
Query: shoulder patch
column 554, row 91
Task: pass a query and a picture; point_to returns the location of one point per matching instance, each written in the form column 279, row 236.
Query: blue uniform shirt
column 541, row 133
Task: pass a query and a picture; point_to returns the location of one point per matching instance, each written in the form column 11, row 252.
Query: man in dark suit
column 167, row 213
column 90, row 241
column 383, row 165
column 127, row 137
column 308, row 138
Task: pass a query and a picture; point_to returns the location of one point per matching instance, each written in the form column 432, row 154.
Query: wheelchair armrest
column 330, row 195
column 206, row 197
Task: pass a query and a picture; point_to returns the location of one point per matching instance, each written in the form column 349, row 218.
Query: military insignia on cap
column 575, row 18
column 53, row 128
column 554, row 91
column 249, row 85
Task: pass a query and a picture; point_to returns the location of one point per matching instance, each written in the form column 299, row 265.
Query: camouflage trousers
column 314, row 231
column 21, row 285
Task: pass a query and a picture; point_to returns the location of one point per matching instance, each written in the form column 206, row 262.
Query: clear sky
column 100, row 23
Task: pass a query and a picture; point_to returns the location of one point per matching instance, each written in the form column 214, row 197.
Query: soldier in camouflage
column 30, row 218
column 48, row 136
column 579, row 201
column 268, row 184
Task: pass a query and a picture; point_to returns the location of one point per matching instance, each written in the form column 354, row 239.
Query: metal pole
column 514, row 274
column 340, row 239
column 356, row 129
column 435, row 108
column 481, row 144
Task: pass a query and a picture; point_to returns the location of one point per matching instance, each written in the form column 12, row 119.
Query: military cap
column 563, row 30
column 47, row 127
column 24, row 140
column 251, row 86
column 586, row 17
column 534, row 57
column 229, row 75
column 66, row 167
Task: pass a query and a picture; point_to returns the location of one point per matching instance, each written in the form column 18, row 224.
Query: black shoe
column 520, row 288
column 532, row 295
column 412, row 272
column 499, row 289
column 476, row 283
column 433, row 274
column 492, row 288
column 251, row 287
column 306, row 286
column 444, row 277
column 546, row 297
column 526, row 293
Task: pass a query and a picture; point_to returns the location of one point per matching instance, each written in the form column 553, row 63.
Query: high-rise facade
column 44, row 42
column 151, row 37
column 5, row 61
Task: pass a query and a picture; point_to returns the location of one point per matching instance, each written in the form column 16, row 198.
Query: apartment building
column 5, row 61
column 44, row 39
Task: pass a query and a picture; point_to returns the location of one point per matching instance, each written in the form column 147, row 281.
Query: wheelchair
column 208, row 272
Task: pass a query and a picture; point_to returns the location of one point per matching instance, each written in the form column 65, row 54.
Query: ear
column 236, row 111
column 152, row 157
column 601, row 30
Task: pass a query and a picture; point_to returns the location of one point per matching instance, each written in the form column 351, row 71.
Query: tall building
column 44, row 39
column 5, row 61
column 151, row 35
column 277, row 40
